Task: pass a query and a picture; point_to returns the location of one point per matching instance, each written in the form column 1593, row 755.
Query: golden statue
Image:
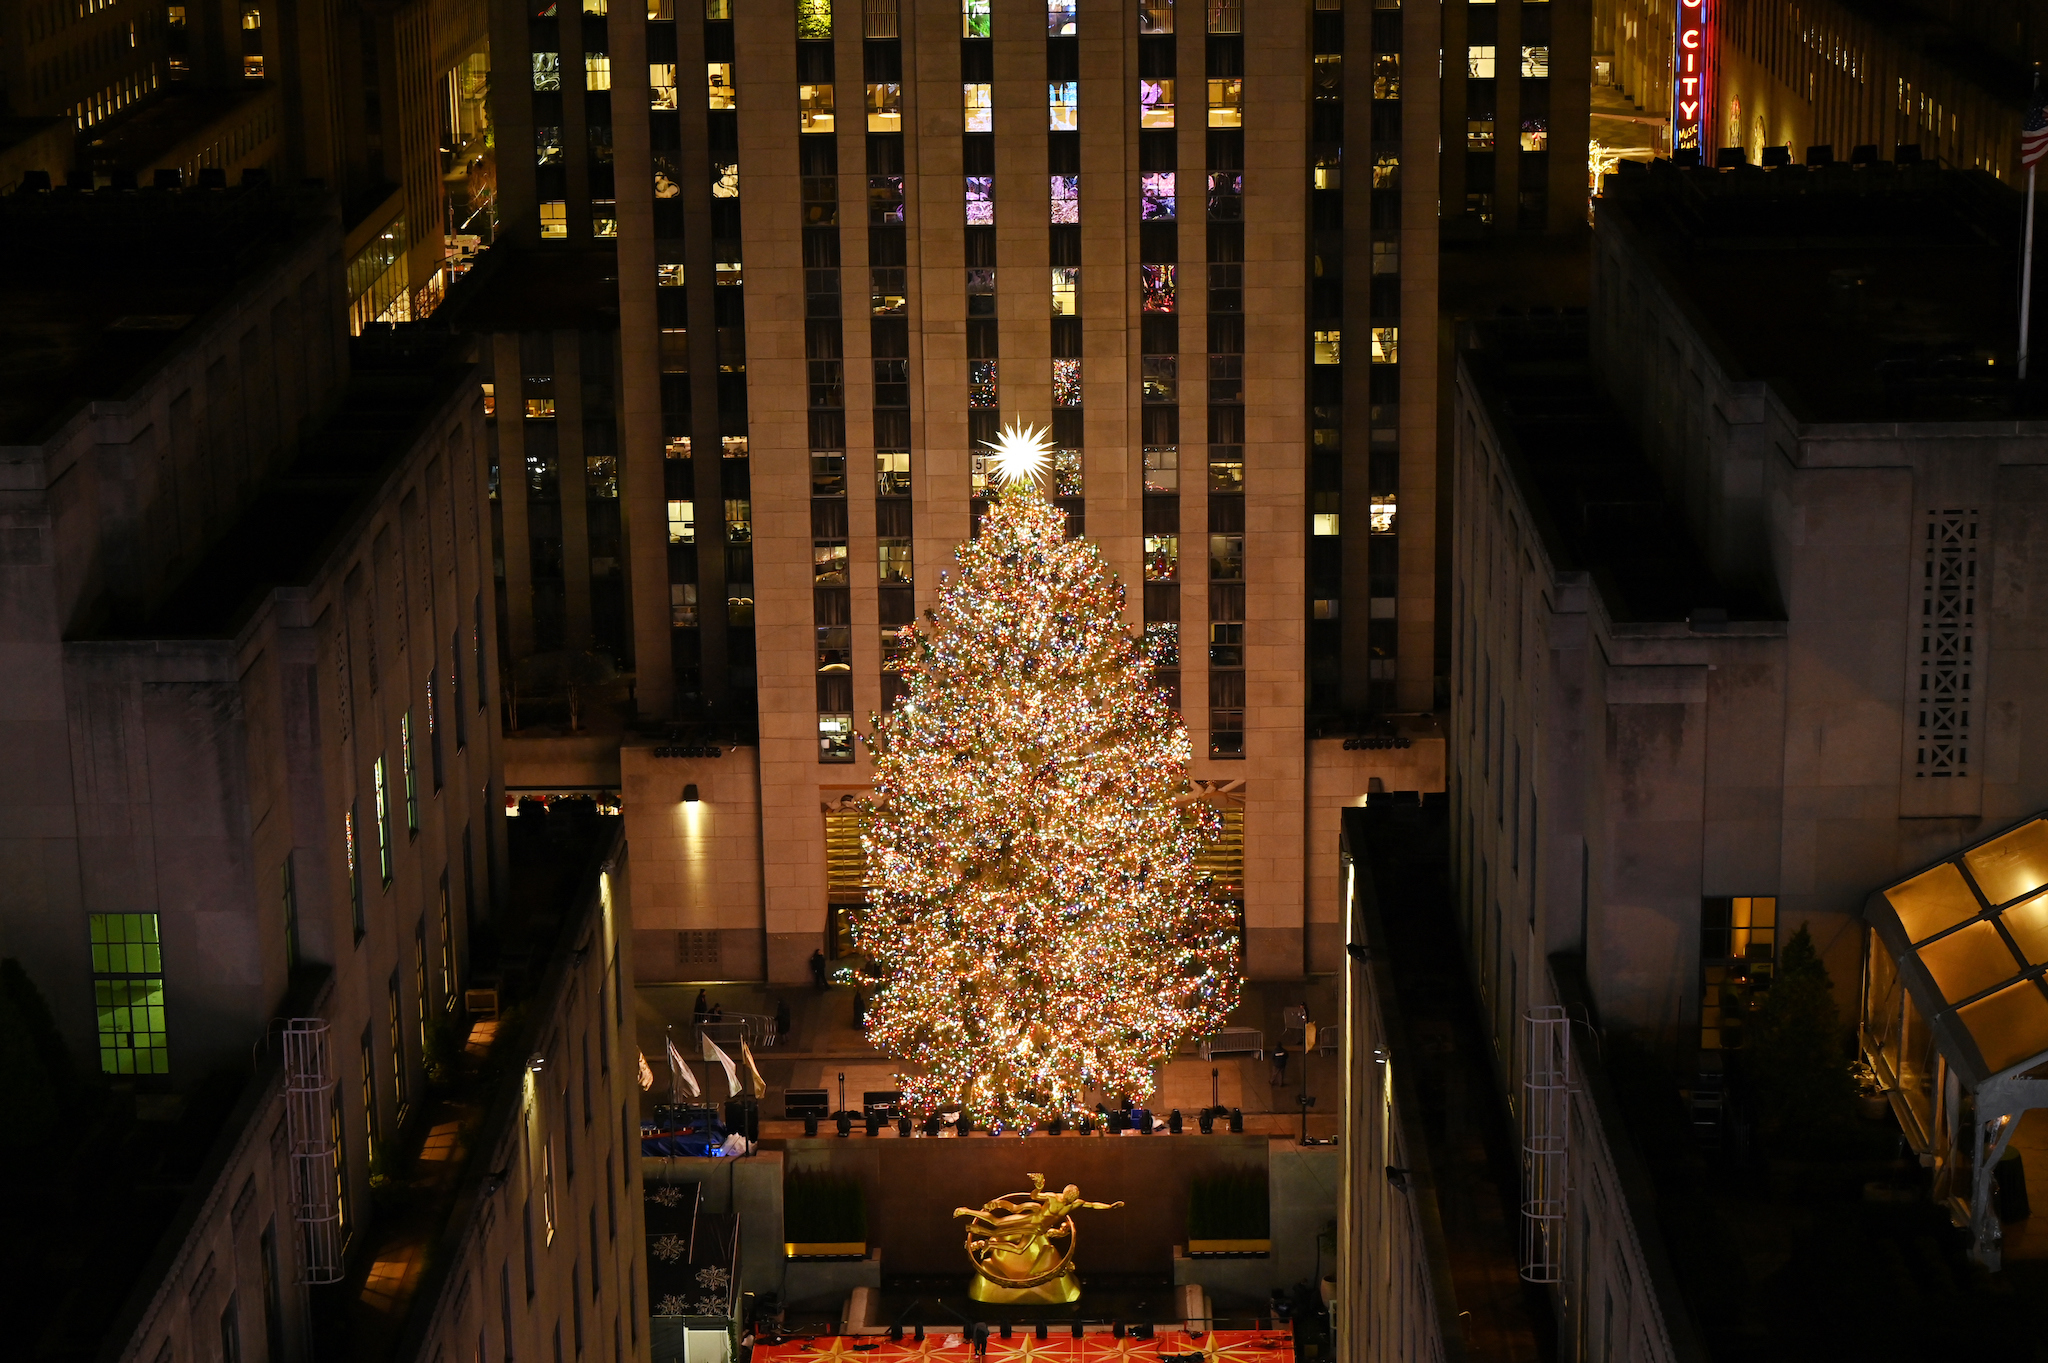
column 1011, row 1243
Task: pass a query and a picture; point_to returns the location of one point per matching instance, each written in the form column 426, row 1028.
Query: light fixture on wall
column 690, row 794
column 536, row 1062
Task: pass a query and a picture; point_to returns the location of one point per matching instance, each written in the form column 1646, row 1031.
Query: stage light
column 896, row 1333
column 1207, row 1120
column 845, row 1124
column 1173, row 1122
column 1006, row 1329
column 874, row 1124
column 1077, row 1329
column 1039, row 1332
column 1237, row 1121
column 810, row 1123
column 919, row 1336
column 903, row 1127
column 1117, row 1329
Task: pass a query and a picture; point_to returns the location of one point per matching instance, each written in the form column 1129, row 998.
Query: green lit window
column 383, row 823
column 412, row 781
column 128, row 993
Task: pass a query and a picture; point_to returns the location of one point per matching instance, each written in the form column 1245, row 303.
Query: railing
column 1546, row 1143
column 1235, row 1041
column 309, row 1107
column 756, row 1029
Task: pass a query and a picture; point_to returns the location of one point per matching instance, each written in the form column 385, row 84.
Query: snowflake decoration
column 710, row 1306
column 713, row 1279
column 669, row 1248
column 672, row 1305
column 666, row 1194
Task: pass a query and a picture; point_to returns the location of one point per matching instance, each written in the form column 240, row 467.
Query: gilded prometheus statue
column 1022, row 1245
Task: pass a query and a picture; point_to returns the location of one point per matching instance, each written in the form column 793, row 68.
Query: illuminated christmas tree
column 1038, row 923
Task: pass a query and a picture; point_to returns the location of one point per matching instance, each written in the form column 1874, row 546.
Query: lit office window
column 974, row 18
column 1386, row 75
column 1156, row 286
column 1479, row 61
column 814, row 18
column 885, row 108
column 895, row 562
column 1536, row 61
column 1329, row 347
column 981, row 200
column 554, row 223
column 814, row 108
column 661, row 85
column 1066, row 198
column 128, row 993
column 718, row 87
column 1066, row 382
column 1155, row 16
column 1162, row 558
column 1162, row 464
column 1156, row 196
column 1061, row 18
column 1155, row 103
column 1386, row 345
column 1066, row 302
column 977, row 102
column 547, row 70
column 1226, row 102
column 597, row 71
column 1063, row 100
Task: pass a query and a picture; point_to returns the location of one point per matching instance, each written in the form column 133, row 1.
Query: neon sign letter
column 1691, row 66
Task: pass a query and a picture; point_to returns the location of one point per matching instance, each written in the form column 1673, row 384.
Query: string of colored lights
column 1037, row 923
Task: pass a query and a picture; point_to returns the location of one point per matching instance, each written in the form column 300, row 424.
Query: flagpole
column 2027, row 275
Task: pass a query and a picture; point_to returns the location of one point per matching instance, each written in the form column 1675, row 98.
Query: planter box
column 1235, row 1249
column 825, row 1249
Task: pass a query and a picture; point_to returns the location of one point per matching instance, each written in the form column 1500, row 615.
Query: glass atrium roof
column 1969, row 936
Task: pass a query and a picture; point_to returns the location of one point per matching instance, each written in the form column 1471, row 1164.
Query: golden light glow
column 1022, row 452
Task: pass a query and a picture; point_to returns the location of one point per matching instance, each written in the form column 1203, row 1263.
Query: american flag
column 2034, row 131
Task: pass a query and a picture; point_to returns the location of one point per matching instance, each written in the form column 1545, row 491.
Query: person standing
column 1280, row 1067
column 818, row 980
column 703, row 1007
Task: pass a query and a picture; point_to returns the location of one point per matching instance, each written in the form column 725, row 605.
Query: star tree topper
column 1038, row 923
column 1022, row 453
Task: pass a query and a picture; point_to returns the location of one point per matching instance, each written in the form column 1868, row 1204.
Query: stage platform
column 1096, row 1346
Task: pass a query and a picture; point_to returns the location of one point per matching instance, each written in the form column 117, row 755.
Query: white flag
column 679, row 1076
column 646, row 1072
column 732, row 1076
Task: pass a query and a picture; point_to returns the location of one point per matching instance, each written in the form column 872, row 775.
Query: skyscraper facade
column 855, row 241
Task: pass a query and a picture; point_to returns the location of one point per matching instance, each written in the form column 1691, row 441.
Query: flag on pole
column 2034, row 130
column 646, row 1072
column 679, row 1075
column 713, row 1054
column 757, row 1087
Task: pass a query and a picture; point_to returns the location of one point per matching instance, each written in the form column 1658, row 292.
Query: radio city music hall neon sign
column 1690, row 66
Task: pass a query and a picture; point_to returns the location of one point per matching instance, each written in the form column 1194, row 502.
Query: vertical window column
column 597, row 122
column 1063, row 166
column 978, row 161
column 543, row 489
column 1225, row 266
column 825, row 359
column 1382, row 357
column 1326, row 297
column 551, row 170
column 1159, row 338
column 601, row 501
column 889, row 342
column 729, row 318
column 686, row 579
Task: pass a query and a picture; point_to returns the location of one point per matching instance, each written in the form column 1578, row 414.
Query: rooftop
column 139, row 137
column 398, row 378
column 1598, row 503
column 1868, row 293
column 547, row 290
column 118, row 277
